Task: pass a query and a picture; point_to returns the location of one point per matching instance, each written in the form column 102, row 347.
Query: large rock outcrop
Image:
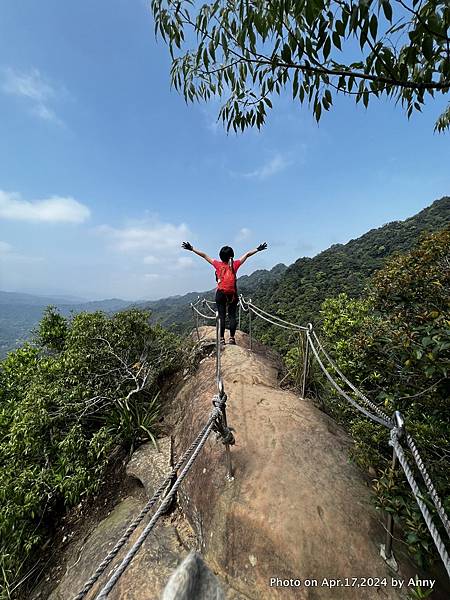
column 297, row 507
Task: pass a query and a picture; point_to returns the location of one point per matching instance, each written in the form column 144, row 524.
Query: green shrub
column 394, row 344
column 84, row 386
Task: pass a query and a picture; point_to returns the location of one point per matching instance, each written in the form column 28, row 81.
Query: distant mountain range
column 296, row 291
column 20, row 313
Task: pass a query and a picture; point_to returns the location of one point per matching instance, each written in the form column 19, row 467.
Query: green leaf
column 337, row 40
column 286, row 53
column 373, row 27
column 295, row 84
column 427, row 47
column 387, row 9
column 340, row 28
column 327, row 48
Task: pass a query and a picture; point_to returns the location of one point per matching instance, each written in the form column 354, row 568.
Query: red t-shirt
column 218, row 264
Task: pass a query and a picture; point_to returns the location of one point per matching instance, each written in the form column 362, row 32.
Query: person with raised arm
column 226, row 292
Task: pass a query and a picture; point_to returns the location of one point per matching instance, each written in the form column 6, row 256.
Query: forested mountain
column 298, row 291
column 306, row 283
column 20, row 313
column 295, row 292
column 175, row 310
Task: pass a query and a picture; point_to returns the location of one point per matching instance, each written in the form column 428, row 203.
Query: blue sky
column 104, row 169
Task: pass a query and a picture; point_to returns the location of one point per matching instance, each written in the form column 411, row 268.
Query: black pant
column 223, row 301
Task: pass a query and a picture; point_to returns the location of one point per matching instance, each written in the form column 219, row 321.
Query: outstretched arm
column 252, row 252
column 190, row 247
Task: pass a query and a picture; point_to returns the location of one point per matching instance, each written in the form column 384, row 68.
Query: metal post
column 390, row 520
column 306, row 360
column 300, row 349
column 250, row 323
column 195, row 316
column 218, row 349
column 386, row 549
column 227, row 446
column 239, row 321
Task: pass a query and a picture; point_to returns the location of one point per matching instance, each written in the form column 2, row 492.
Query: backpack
column 226, row 278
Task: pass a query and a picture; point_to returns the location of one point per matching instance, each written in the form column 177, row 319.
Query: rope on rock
column 216, row 422
column 394, row 442
column 164, row 505
column 379, row 417
column 135, row 523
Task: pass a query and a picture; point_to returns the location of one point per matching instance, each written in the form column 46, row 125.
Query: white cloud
column 152, row 236
column 5, row 248
column 46, row 114
column 7, row 255
column 36, row 90
column 51, row 210
column 152, row 275
column 184, row 262
column 273, row 166
column 151, row 260
column 244, row 234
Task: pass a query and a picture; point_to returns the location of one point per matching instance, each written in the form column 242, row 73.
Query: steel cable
column 289, row 328
column 293, row 325
column 164, row 505
column 417, row 494
column 410, row 441
column 430, row 486
column 338, row 388
column 201, row 314
column 134, row 524
column 373, row 406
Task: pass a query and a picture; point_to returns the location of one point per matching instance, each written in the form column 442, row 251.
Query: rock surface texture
column 297, row 508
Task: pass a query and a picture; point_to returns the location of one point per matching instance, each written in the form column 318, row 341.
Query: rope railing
column 217, row 421
column 377, row 415
column 409, row 440
column 337, row 387
column 165, row 493
column 289, row 324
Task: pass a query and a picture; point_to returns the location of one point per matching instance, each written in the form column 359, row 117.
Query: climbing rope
column 135, row 523
column 162, row 508
column 216, row 422
column 379, row 417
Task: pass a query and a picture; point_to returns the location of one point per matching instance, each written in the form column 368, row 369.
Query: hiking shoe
column 232, row 341
column 222, row 341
